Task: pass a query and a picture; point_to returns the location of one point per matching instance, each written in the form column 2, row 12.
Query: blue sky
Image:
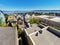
column 29, row 4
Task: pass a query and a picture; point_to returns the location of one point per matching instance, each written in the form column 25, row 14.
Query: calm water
column 47, row 11
column 44, row 11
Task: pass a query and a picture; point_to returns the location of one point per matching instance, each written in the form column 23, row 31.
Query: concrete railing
column 41, row 26
column 54, row 31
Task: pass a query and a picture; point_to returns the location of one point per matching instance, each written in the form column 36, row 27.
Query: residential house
column 20, row 21
column 12, row 21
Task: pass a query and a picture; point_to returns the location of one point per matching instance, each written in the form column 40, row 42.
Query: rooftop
column 44, row 38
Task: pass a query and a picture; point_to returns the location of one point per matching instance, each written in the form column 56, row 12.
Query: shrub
column 19, row 31
column 0, row 21
column 34, row 20
column 4, row 24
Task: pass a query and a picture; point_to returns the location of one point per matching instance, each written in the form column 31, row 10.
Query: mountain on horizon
column 39, row 11
column 46, row 11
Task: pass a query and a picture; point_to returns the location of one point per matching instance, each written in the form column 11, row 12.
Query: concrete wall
column 50, row 22
column 28, row 38
column 54, row 31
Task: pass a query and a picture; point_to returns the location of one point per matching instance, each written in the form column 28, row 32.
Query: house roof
column 11, row 18
column 8, row 36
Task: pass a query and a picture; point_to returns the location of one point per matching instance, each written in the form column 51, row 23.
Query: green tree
column 6, row 17
column 0, row 21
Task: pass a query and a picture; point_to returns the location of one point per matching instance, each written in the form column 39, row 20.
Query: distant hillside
column 46, row 11
column 39, row 11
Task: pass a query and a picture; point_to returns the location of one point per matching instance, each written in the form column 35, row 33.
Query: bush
column 4, row 24
column 0, row 21
column 19, row 31
column 34, row 20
